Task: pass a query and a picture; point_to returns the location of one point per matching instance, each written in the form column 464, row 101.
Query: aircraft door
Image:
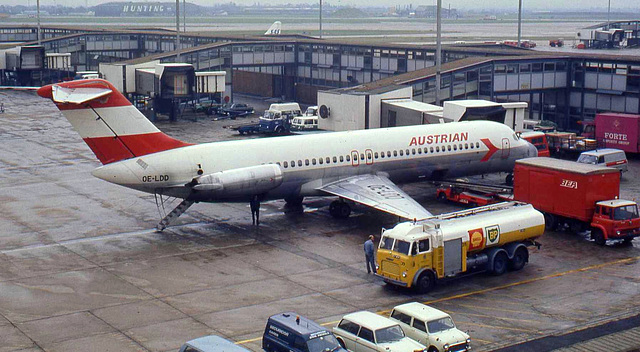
column 355, row 158
column 506, row 148
column 368, row 154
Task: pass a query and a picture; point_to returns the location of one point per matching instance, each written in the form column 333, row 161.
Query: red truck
column 615, row 130
column 583, row 196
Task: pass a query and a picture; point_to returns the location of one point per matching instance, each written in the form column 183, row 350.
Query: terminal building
column 564, row 88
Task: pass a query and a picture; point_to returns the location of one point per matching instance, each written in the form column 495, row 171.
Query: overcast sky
column 461, row 4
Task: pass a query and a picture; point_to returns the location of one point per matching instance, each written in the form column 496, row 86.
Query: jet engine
column 238, row 182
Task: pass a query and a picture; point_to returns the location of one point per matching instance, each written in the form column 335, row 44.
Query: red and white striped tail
column 111, row 126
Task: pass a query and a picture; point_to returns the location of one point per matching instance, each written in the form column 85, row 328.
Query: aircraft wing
column 377, row 192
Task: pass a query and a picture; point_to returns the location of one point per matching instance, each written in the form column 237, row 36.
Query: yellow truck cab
column 493, row 238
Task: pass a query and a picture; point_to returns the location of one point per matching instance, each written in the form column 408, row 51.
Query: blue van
column 289, row 332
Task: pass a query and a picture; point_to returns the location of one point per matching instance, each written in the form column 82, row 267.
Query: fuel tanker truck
column 493, row 238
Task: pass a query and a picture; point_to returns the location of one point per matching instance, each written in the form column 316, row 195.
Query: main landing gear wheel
column 339, row 209
column 509, row 180
column 294, row 201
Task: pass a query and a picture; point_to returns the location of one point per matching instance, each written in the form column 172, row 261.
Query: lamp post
column 320, row 19
column 438, row 49
column 519, row 22
column 178, row 30
column 38, row 15
column 608, row 14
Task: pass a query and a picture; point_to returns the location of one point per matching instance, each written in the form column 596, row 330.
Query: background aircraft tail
column 275, row 28
column 111, row 126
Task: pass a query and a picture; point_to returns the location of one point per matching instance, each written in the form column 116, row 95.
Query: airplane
column 362, row 166
column 275, row 29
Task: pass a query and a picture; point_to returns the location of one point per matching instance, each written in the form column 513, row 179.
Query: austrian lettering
column 439, row 138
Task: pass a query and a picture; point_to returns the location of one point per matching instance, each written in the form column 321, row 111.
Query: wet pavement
column 82, row 269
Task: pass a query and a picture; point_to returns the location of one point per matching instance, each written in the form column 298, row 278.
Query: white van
column 610, row 157
column 277, row 110
column 305, row 123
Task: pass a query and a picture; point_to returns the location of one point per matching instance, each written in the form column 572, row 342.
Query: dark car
column 206, row 105
column 293, row 333
column 237, row 109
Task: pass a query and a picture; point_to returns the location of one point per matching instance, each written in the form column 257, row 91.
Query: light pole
column 438, row 49
column 608, row 14
column 519, row 22
column 320, row 19
column 38, row 15
column 184, row 16
column 178, row 30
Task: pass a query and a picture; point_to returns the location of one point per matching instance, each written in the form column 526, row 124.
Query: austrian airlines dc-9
column 360, row 166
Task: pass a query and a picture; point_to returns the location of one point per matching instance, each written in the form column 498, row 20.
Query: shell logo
column 476, row 239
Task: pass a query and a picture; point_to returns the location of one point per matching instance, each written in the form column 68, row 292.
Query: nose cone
column 532, row 151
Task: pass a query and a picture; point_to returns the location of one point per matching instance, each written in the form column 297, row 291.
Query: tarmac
column 82, row 268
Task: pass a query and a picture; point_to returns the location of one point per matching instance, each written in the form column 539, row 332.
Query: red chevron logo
column 492, row 149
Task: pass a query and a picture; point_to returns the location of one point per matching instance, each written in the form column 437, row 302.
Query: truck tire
column 550, row 221
column 279, row 130
column 598, row 237
column 442, row 197
column 500, row 263
column 425, row 282
column 341, row 342
column 577, row 226
column 520, row 258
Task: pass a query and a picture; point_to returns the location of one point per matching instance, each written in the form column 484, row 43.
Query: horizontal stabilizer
column 78, row 95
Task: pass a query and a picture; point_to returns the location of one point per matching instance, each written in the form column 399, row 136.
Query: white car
column 366, row 332
column 430, row 327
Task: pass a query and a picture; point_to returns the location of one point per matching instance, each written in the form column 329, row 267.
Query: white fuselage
column 410, row 154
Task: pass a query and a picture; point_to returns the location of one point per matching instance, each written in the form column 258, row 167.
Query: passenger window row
column 380, row 155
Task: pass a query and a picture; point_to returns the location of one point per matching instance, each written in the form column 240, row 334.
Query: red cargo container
column 582, row 196
column 618, row 131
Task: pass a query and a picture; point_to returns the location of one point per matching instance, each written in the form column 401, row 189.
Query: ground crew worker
column 255, row 210
column 369, row 255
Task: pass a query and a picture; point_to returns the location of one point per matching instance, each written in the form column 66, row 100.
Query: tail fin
column 111, row 126
column 274, row 29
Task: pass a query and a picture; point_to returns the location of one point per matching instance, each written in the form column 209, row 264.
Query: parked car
column 292, row 332
column 610, row 157
column 206, row 106
column 237, row 109
column 430, row 327
column 211, row 343
column 366, row 331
